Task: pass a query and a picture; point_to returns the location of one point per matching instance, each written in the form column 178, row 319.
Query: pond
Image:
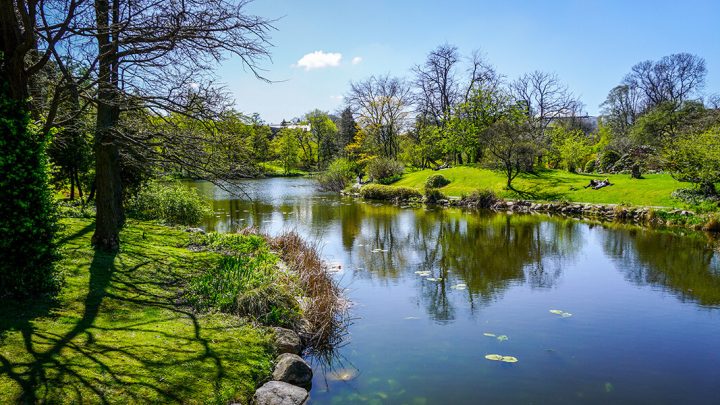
column 592, row 313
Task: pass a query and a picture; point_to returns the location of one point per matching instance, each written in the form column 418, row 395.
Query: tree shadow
column 59, row 344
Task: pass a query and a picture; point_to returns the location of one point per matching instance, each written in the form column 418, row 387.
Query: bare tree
column 154, row 57
column 674, row 78
column 441, row 83
column 545, row 99
column 381, row 104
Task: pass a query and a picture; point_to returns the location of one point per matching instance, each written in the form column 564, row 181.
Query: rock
column 196, row 230
column 287, row 341
column 292, row 369
column 280, row 393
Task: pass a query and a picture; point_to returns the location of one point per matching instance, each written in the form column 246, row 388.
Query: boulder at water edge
column 280, row 393
column 287, row 341
column 292, row 369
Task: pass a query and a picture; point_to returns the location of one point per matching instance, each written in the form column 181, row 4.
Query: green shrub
column 338, row 175
column 608, row 160
column 246, row 282
column 590, row 166
column 27, row 213
column 436, row 181
column 171, row 203
column 390, row 193
column 433, row 195
column 384, row 171
column 480, row 199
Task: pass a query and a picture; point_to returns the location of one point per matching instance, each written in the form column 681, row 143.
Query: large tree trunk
column 108, row 200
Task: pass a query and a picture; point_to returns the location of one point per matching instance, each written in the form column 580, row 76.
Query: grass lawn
column 550, row 185
column 117, row 333
column 276, row 169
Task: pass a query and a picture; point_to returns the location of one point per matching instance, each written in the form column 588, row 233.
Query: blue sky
column 591, row 45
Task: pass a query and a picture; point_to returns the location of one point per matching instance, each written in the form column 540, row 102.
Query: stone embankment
column 292, row 376
column 597, row 211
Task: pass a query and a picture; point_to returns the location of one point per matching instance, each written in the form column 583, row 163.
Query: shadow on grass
column 82, row 360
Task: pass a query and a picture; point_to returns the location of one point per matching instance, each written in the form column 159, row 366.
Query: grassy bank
column 553, row 185
column 119, row 331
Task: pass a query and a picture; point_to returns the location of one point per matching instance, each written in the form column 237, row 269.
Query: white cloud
column 319, row 59
column 356, row 60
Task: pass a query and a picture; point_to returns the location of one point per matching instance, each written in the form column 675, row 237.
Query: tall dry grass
column 324, row 307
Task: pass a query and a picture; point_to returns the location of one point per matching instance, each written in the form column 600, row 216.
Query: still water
column 436, row 290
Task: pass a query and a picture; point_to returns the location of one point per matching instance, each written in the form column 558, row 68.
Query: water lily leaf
column 431, row 279
column 494, row 357
column 459, row 286
column 502, row 338
column 422, row 273
column 566, row 314
column 556, row 311
column 489, row 334
column 509, row 359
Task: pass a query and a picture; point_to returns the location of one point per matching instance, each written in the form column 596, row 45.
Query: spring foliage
column 171, row 203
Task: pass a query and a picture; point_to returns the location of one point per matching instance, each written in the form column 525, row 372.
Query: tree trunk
column 108, row 200
column 72, row 184
column 77, row 183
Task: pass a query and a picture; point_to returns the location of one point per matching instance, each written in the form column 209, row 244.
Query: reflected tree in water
column 687, row 266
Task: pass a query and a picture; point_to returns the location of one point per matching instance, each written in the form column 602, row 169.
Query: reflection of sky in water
column 644, row 328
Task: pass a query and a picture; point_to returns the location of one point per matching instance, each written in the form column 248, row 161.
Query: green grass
column 552, row 185
column 118, row 332
column 275, row 169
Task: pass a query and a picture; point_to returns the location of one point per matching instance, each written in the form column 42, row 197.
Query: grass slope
column 117, row 334
column 550, row 185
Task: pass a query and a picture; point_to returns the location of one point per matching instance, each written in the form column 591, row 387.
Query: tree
column 510, row 141
column 28, row 38
column 482, row 108
column 572, row 146
column 155, row 56
column 286, row 148
column 441, row 84
column 545, row 100
column 381, row 104
column 324, row 131
column 347, row 128
column 621, row 109
column 695, row 158
column 674, row 78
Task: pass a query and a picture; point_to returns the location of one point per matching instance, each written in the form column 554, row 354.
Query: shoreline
column 645, row 216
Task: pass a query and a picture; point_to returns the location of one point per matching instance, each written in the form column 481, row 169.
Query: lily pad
column 566, row 314
column 556, row 311
column 494, row 357
column 422, row 273
column 489, row 334
column 502, row 338
column 509, row 359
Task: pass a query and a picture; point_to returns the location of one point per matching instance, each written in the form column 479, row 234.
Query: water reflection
column 686, row 265
column 485, row 251
column 419, row 338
